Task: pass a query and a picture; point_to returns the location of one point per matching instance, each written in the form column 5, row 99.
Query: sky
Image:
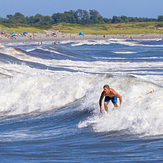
column 106, row 8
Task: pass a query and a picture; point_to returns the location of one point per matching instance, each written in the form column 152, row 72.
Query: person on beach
column 150, row 92
column 110, row 94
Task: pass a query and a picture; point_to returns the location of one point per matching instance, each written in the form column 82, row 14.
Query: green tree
column 117, row 19
column 124, row 19
column 69, row 17
column 18, row 18
column 58, row 17
column 9, row 16
column 95, row 17
column 83, row 17
column 106, row 20
column 133, row 19
column 160, row 18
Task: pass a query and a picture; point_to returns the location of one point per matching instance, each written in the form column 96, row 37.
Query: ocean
column 49, row 101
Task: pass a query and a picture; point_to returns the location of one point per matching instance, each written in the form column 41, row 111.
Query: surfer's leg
column 115, row 104
column 106, row 106
column 114, row 101
column 107, row 99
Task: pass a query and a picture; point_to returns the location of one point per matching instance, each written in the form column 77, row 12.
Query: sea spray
column 26, row 93
column 139, row 113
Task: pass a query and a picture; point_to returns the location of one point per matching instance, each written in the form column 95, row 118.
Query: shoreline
column 75, row 37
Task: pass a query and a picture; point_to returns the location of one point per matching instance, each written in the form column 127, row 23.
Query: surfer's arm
column 100, row 102
column 119, row 96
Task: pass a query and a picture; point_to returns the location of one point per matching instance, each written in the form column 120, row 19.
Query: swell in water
column 49, row 109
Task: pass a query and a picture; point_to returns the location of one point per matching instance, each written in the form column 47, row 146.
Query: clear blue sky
column 106, row 8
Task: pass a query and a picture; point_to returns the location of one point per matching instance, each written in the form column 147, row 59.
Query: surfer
column 110, row 94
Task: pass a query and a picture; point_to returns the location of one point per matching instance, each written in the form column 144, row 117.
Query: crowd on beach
column 48, row 35
column 15, row 36
column 25, row 35
column 54, row 36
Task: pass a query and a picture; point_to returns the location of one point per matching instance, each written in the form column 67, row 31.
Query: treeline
column 74, row 17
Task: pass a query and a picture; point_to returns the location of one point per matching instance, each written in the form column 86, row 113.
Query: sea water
column 49, row 101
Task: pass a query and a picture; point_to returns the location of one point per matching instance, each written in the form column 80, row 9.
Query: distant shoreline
column 74, row 37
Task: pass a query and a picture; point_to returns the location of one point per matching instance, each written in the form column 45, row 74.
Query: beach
column 68, row 36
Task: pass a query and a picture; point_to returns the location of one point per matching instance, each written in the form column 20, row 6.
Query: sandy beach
column 61, row 37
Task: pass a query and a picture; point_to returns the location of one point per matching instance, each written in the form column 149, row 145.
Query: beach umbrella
column 13, row 35
column 13, row 31
column 95, row 31
column 55, row 31
column 81, row 33
column 5, row 30
column 25, row 33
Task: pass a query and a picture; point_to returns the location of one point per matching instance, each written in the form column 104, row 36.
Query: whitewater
column 49, row 101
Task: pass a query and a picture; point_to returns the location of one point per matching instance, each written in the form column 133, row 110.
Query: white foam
column 138, row 42
column 115, row 68
column 29, row 50
column 40, row 90
column 139, row 114
column 52, row 50
column 90, row 42
column 124, row 52
column 32, row 90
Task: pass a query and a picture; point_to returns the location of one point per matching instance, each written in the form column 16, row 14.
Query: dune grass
column 120, row 28
column 21, row 29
